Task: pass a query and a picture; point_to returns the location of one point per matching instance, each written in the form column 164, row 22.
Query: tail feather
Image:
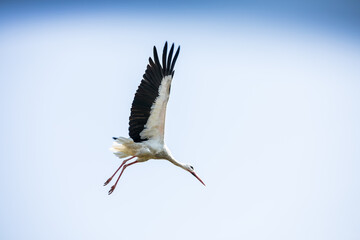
column 121, row 147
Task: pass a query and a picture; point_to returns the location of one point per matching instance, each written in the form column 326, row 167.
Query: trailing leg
column 107, row 182
column 125, row 166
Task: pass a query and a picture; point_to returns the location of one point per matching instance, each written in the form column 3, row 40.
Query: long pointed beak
column 194, row 174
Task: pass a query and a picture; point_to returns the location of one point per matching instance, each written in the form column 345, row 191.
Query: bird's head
column 190, row 169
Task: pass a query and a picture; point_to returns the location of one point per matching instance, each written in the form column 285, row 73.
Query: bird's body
column 147, row 119
column 126, row 147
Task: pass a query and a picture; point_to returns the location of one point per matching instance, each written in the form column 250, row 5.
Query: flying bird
column 147, row 118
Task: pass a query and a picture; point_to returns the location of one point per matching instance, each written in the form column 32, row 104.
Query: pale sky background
column 264, row 105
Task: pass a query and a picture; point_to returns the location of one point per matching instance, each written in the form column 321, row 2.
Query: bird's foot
column 107, row 182
column 111, row 190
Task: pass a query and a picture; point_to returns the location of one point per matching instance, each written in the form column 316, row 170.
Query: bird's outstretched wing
column 147, row 119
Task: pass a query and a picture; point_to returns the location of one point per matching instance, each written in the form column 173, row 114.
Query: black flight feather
column 169, row 59
column 174, row 60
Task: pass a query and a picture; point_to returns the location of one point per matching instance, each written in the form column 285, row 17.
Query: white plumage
column 147, row 119
column 154, row 128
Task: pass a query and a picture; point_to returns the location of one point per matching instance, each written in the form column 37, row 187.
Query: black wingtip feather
column 174, row 60
column 156, row 58
column 169, row 59
column 164, row 59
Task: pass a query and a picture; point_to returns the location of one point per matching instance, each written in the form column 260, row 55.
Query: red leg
column 107, row 182
column 125, row 166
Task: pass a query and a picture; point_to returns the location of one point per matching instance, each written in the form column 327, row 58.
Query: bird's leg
column 125, row 166
column 107, row 182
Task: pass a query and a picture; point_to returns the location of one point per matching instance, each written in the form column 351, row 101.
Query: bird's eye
column 191, row 167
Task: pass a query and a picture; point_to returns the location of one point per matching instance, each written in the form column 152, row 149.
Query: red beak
column 193, row 173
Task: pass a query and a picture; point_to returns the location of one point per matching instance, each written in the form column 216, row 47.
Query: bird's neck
column 177, row 163
column 172, row 159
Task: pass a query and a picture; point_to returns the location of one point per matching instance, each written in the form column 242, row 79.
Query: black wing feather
column 148, row 90
column 169, row 59
column 174, row 60
column 164, row 59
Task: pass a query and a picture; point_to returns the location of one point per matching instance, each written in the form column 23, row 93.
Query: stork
column 147, row 118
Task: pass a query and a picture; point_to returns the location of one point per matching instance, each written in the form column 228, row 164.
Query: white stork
column 147, row 119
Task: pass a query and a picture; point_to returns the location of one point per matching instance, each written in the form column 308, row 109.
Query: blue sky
column 264, row 105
